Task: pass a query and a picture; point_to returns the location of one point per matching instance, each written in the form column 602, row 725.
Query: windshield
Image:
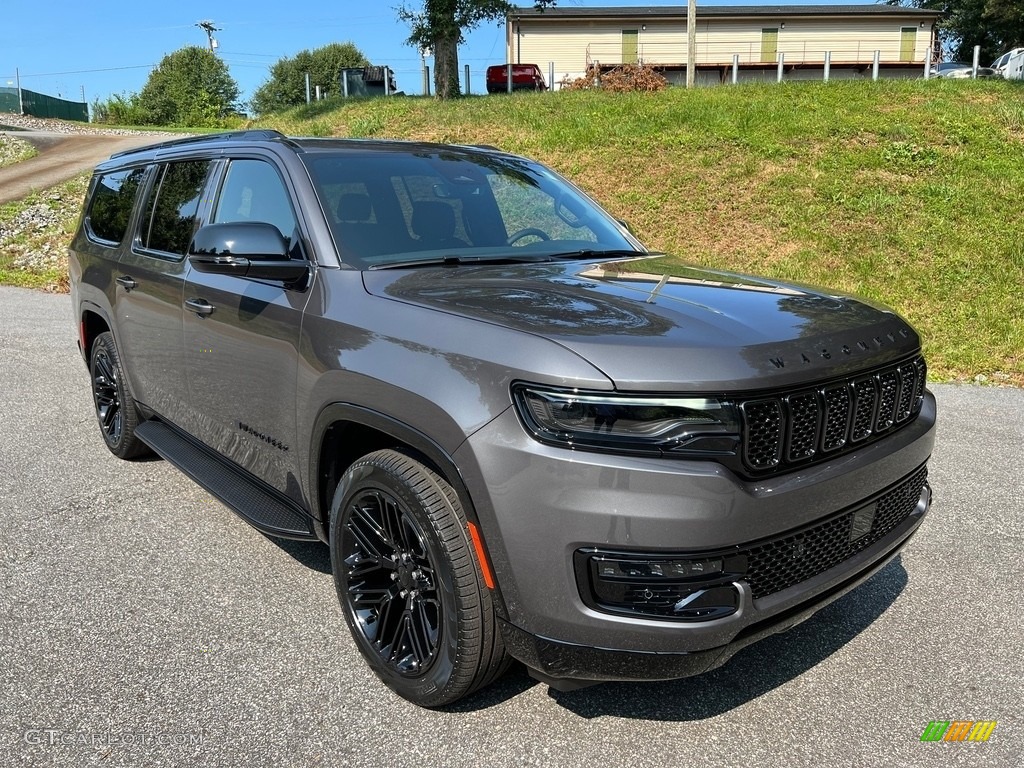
column 389, row 206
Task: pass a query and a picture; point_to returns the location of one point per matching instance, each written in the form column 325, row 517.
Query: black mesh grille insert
column 779, row 564
column 864, row 400
column 908, row 387
column 798, row 427
column 764, row 433
column 889, row 384
column 837, row 417
column 804, row 415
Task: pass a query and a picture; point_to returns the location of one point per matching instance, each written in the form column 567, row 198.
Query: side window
column 253, row 191
column 173, row 206
column 112, row 202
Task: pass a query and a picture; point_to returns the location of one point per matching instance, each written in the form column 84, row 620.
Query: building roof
column 721, row 11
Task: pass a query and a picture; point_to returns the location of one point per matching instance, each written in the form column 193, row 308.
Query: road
column 60, row 157
column 142, row 623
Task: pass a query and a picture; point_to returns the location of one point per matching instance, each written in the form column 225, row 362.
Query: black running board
column 259, row 505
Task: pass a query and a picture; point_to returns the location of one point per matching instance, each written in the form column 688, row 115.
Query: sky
column 67, row 48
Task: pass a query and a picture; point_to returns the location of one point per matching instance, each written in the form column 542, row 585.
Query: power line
column 84, row 71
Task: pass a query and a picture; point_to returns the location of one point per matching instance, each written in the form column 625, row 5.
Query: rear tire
column 116, row 411
column 409, row 583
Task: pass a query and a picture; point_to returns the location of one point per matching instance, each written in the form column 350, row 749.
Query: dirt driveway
column 60, row 157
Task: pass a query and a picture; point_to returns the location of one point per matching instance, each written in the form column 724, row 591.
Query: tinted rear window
column 173, row 206
column 111, row 206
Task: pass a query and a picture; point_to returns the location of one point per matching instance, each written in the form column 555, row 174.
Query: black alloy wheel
column 390, row 582
column 116, row 410
column 408, row 581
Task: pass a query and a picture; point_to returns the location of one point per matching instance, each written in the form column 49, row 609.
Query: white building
column 571, row 39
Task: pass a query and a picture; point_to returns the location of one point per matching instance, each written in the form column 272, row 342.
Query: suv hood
column 699, row 330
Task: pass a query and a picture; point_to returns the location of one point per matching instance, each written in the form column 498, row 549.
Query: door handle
column 126, row 282
column 199, row 306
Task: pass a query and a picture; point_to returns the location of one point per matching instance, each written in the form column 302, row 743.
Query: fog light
column 612, row 568
column 692, row 588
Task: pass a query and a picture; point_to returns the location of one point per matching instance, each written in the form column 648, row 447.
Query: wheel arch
column 344, row 432
column 92, row 322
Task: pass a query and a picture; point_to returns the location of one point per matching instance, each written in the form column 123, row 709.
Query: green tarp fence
column 41, row 105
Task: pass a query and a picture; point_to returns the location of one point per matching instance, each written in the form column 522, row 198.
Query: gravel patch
column 36, row 237
column 29, row 123
column 14, row 150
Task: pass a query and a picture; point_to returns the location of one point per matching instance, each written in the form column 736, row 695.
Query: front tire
column 408, row 582
column 116, row 411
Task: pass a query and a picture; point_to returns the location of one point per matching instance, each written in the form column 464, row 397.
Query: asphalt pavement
column 142, row 623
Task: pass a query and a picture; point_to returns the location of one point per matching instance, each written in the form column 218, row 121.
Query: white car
column 1011, row 64
column 960, row 70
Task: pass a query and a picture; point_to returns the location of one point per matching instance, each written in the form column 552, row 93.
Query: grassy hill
column 910, row 192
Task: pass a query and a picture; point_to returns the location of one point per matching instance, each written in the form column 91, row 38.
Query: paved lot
column 137, row 612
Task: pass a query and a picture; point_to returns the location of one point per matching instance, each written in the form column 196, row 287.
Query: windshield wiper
column 457, row 261
column 521, row 258
column 591, row 253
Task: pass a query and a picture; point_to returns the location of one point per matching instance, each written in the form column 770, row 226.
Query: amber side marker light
column 481, row 555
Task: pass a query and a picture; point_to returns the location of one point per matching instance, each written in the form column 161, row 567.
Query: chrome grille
column 794, row 428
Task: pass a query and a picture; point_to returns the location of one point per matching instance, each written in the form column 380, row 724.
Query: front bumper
column 540, row 506
column 556, row 662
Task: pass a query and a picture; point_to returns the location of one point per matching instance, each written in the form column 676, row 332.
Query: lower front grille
column 779, row 564
column 701, row 586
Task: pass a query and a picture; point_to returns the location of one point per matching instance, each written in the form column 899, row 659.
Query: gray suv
column 519, row 437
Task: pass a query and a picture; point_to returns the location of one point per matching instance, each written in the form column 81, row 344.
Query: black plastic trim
column 258, row 504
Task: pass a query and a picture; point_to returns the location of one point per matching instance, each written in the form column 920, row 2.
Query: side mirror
column 245, row 249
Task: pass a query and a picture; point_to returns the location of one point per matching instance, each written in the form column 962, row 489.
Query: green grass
column 905, row 192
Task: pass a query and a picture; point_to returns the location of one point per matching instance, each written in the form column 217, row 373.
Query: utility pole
column 209, row 29
column 691, row 43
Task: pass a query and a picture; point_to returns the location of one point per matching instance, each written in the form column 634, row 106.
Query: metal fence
column 41, row 105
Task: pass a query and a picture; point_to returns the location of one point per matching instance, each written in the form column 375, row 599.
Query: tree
column 189, row 87
column 286, row 86
column 439, row 26
column 995, row 25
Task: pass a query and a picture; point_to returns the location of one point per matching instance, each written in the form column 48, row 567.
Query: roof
column 721, row 11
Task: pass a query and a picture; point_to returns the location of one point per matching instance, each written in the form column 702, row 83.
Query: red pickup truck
column 525, row 77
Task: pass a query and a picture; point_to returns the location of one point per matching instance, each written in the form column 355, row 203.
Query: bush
column 120, row 109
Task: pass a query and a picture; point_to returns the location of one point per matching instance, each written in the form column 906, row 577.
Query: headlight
column 629, row 424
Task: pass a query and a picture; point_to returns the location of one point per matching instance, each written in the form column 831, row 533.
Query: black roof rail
column 265, row 134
